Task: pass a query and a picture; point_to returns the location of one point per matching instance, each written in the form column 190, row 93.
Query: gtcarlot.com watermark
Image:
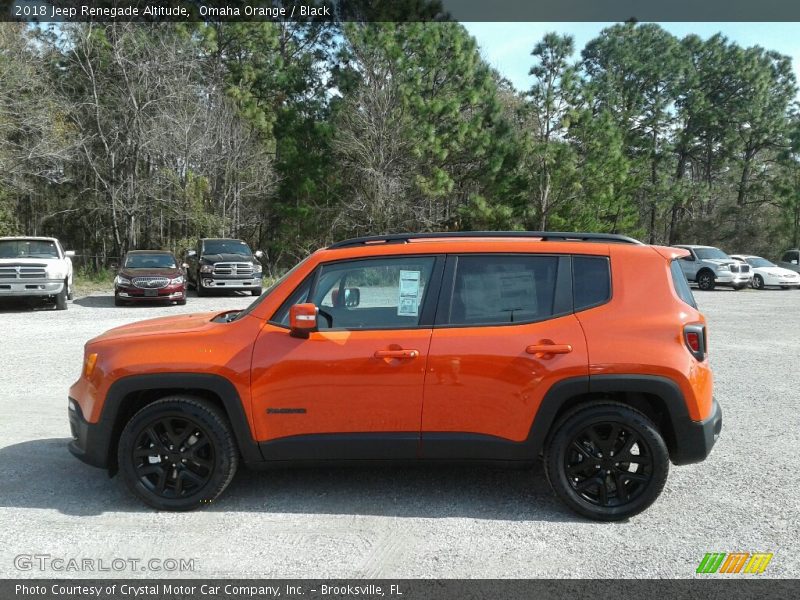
column 118, row 564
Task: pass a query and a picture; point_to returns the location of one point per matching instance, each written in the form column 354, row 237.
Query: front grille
column 244, row 269
column 150, row 283
column 740, row 268
column 745, row 268
column 23, row 272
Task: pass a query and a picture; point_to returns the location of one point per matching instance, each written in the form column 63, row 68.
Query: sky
column 507, row 46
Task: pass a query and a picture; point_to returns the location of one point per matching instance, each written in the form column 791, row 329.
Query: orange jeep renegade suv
column 585, row 349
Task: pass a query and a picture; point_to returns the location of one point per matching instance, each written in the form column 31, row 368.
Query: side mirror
column 69, row 253
column 258, row 254
column 352, row 297
column 689, row 258
column 191, row 253
column 185, row 266
column 302, row 319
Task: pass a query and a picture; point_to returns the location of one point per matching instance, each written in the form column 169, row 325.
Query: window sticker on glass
column 408, row 300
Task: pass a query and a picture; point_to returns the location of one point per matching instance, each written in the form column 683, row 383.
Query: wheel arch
column 659, row 398
column 128, row 395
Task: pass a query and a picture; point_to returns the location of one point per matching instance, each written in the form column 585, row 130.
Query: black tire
column 70, row 291
column 191, row 432
column 118, row 301
column 61, row 298
column 201, row 291
column 758, row 282
column 182, row 302
column 736, row 288
column 589, row 480
column 256, row 292
column 706, row 280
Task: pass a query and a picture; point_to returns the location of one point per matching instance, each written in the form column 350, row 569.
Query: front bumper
column 90, row 441
column 230, row 282
column 695, row 439
column 132, row 294
column 42, row 287
column 733, row 279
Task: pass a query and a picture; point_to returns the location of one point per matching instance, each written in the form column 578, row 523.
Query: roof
column 541, row 236
column 29, row 237
column 692, row 246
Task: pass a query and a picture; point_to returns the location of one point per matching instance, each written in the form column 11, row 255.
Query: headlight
column 207, row 269
column 724, row 268
column 119, row 280
column 55, row 274
column 177, row 281
column 257, row 268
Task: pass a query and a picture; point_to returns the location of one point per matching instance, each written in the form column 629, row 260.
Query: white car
column 35, row 267
column 768, row 274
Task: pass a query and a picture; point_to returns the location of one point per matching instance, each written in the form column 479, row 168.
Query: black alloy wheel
column 607, row 461
column 178, row 453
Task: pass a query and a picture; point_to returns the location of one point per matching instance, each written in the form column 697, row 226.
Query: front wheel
column 705, row 281
column 61, row 297
column 606, row 461
column 256, row 292
column 178, row 453
column 758, row 282
column 201, row 291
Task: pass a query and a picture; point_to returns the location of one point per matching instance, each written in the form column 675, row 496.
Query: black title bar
column 49, row 11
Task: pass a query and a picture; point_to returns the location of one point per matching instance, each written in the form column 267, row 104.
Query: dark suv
column 224, row 264
column 468, row 347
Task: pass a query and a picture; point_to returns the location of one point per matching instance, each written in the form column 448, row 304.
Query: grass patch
column 86, row 281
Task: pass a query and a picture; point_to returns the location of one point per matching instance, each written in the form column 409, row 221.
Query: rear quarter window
column 681, row 285
column 591, row 281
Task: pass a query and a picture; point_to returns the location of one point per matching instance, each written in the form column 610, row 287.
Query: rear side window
column 681, row 285
column 503, row 289
column 591, row 281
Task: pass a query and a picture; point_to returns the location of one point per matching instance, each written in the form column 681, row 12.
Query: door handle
column 549, row 349
column 396, row 353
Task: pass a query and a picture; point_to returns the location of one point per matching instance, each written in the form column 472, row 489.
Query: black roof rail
column 547, row 236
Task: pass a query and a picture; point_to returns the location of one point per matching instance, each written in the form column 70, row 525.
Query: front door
column 353, row 389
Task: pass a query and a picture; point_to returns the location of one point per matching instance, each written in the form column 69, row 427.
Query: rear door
column 505, row 332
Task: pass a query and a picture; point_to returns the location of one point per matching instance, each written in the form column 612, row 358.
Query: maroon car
column 149, row 275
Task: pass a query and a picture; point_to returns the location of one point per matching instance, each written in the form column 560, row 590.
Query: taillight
column 695, row 338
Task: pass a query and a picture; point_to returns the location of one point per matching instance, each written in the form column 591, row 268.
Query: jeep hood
column 172, row 325
column 215, row 258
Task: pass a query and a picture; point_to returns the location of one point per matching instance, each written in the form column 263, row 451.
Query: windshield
column 271, row 288
column 150, row 261
column 28, row 249
column 226, row 247
column 757, row 261
column 711, row 254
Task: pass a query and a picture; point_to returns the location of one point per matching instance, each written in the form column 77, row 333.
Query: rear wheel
column 178, row 453
column 606, row 461
column 705, row 281
column 758, row 282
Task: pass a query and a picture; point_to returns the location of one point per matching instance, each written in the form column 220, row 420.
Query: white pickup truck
column 35, row 267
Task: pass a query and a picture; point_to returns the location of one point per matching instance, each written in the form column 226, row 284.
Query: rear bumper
column 695, row 439
column 90, row 441
column 19, row 289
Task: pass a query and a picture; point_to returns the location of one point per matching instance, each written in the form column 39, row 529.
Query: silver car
column 709, row 267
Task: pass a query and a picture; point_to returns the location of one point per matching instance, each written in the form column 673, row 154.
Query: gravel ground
column 403, row 522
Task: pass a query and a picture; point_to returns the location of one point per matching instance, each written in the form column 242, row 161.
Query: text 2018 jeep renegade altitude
column 586, row 349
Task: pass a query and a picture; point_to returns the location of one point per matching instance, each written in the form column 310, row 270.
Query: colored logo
column 734, row 562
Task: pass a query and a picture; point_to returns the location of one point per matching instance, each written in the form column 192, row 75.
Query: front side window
column 758, row 262
column 503, row 289
column 367, row 294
